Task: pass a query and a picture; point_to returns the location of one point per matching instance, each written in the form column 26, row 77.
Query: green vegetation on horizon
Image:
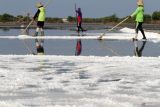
column 154, row 18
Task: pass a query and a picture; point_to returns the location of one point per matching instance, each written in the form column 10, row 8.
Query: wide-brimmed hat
column 38, row 5
column 140, row 3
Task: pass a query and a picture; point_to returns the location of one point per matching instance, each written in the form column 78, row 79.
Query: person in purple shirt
column 79, row 19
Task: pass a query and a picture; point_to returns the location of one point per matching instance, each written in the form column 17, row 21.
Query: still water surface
column 76, row 47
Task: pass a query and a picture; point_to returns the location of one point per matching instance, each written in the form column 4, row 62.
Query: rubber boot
column 144, row 37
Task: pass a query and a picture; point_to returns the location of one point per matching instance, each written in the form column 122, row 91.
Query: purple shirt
column 79, row 13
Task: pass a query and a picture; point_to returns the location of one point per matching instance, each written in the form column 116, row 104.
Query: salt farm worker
column 40, row 15
column 139, row 13
column 79, row 20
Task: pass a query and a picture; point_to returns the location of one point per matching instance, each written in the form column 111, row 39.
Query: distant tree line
column 112, row 18
column 154, row 17
column 10, row 18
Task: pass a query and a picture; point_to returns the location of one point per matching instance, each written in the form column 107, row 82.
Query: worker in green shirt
column 139, row 14
column 40, row 15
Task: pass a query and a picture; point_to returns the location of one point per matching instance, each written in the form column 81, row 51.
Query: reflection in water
column 138, row 50
column 38, row 43
column 24, row 31
column 104, row 46
column 39, row 46
column 78, row 47
column 5, row 29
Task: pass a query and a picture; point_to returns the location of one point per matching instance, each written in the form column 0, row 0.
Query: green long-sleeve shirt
column 139, row 13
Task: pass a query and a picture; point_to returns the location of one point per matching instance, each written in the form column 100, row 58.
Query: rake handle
column 113, row 27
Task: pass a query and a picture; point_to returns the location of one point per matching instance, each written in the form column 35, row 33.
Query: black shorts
column 40, row 24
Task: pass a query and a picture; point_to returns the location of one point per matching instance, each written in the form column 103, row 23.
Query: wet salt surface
column 67, row 81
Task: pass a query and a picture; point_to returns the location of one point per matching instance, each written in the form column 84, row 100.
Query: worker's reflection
column 78, row 47
column 39, row 46
column 138, row 50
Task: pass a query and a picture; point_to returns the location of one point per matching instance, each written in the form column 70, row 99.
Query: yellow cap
column 38, row 5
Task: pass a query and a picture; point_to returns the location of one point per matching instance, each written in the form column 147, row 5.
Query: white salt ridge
column 149, row 35
column 126, row 34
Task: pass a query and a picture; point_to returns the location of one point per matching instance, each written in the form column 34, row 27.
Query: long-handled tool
column 27, row 26
column 49, row 2
column 76, row 13
column 101, row 36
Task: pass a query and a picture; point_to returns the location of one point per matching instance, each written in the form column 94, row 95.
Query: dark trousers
column 40, row 24
column 79, row 26
column 139, row 27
